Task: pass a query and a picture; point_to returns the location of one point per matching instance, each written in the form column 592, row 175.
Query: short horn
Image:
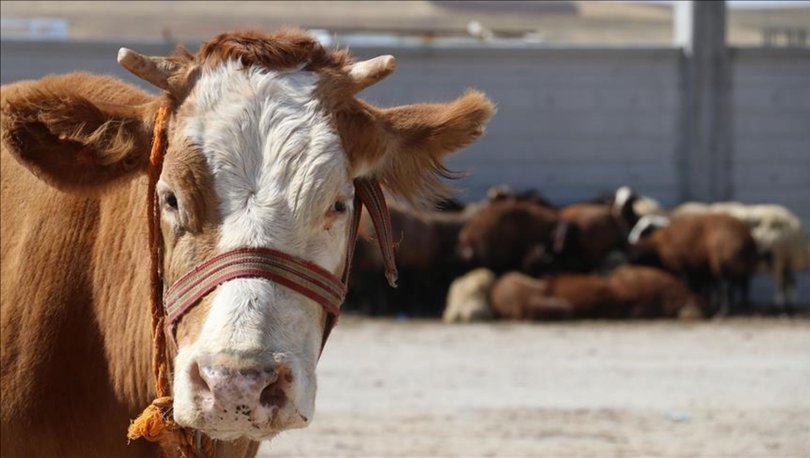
column 155, row 70
column 364, row 74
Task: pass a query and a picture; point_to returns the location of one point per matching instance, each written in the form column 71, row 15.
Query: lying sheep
column 629, row 292
column 516, row 296
column 467, row 299
column 647, row 292
column 715, row 252
column 780, row 239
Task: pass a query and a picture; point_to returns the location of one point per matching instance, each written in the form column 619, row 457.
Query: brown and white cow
column 264, row 141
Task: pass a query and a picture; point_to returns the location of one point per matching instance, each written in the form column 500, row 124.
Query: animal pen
column 697, row 121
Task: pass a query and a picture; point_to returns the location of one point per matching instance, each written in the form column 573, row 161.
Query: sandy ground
column 416, row 388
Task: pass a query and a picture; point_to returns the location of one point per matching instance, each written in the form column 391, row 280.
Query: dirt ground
column 390, row 388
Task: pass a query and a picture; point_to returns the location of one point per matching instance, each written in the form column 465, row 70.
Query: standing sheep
column 500, row 235
column 780, row 238
column 715, row 252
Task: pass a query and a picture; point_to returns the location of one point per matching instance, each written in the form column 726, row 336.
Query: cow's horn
column 364, row 74
column 155, row 70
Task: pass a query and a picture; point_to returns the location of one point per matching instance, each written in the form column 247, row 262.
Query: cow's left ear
column 77, row 131
column 409, row 143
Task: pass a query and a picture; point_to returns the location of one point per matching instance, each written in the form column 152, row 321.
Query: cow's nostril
column 273, row 395
column 197, row 381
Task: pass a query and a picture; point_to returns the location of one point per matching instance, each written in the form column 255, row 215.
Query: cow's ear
column 412, row 141
column 77, row 131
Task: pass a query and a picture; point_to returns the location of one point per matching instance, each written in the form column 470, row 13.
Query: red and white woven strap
column 301, row 276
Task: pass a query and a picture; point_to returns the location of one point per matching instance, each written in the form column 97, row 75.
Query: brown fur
column 501, row 235
column 74, row 301
column 76, row 344
column 717, row 244
column 646, row 292
column 709, row 249
column 518, row 296
column 629, row 292
column 426, row 259
column 60, row 130
column 596, row 231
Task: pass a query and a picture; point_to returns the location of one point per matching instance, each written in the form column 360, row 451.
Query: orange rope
column 155, row 423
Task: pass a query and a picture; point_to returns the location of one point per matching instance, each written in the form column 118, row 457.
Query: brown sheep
column 715, row 252
column 646, row 292
column 517, row 296
column 506, row 193
column 629, row 292
column 501, row 234
column 588, row 234
column 426, row 260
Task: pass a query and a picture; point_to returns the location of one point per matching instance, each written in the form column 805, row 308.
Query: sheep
column 500, row 235
column 516, row 296
column 715, row 252
column 628, row 292
column 640, row 205
column 426, row 258
column 647, row 292
column 506, row 193
column 467, row 299
column 780, row 239
column 592, row 236
column 587, row 234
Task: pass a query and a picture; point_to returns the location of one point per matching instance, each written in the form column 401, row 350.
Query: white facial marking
column 643, row 224
column 622, row 194
column 277, row 168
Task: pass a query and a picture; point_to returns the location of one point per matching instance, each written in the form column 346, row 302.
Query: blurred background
column 680, row 101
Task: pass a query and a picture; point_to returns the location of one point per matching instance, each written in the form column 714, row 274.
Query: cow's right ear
column 77, row 131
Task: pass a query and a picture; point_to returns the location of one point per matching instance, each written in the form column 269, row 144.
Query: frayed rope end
column 154, row 422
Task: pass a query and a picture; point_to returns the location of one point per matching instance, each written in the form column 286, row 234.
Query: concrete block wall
column 571, row 122
column 771, row 136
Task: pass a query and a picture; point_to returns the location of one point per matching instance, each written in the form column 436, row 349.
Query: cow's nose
column 250, row 394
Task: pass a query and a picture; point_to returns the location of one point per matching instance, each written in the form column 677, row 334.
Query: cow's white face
column 265, row 138
column 280, row 179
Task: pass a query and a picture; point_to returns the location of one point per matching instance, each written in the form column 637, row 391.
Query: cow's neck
column 76, row 344
column 121, row 290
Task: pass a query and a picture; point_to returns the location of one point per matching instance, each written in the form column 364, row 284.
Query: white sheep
column 468, row 297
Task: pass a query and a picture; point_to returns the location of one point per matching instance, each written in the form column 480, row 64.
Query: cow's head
column 265, row 139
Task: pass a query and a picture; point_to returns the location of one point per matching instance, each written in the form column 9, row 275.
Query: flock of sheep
column 517, row 256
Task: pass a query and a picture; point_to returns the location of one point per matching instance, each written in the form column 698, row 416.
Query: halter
column 168, row 306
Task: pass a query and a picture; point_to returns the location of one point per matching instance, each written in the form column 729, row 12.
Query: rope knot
column 154, row 421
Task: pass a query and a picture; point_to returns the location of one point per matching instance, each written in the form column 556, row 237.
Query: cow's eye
column 171, row 200
column 339, row 206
